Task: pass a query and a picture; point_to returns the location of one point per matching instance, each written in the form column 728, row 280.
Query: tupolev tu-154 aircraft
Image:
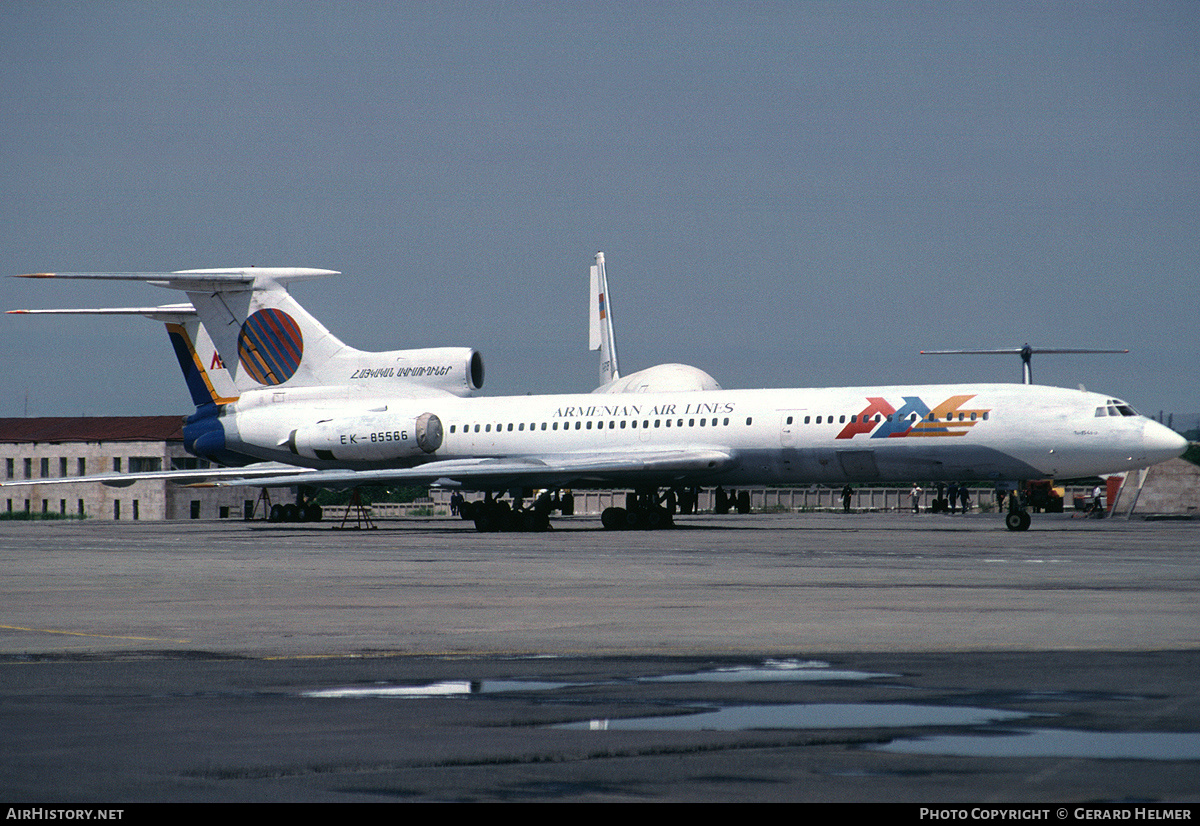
column 319, row 413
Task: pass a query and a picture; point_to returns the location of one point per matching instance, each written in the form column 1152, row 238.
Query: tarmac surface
column 797, row 657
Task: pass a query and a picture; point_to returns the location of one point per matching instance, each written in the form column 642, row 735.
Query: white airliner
column 328, row 415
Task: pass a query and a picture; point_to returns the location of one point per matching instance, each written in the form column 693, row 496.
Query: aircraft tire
column 1017, row 520
column 313, row 512
column 654, row 519
column 613, row 519
column 276, row 514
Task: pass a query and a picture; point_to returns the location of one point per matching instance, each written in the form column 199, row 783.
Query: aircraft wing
column 561, row 470
column 550, row 471
column 199, row 477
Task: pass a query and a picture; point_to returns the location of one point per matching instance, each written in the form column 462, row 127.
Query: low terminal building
column 57, row 448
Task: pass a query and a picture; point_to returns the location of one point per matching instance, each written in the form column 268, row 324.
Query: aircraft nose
column 1161, row 443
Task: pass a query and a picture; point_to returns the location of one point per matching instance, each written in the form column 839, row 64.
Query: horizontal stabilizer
column 199, row 280
column 1026, row 354
column 165, row 312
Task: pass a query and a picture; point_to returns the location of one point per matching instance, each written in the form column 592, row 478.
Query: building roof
column 93, row 429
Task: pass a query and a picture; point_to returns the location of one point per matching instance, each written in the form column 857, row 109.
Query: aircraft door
column 789, row 436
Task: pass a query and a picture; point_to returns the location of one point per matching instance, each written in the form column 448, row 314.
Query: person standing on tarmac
column 847, row 493
column 915, row 495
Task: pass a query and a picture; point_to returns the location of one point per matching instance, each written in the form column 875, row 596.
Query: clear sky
column 787, row 194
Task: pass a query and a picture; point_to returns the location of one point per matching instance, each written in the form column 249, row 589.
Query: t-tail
column 265, row 339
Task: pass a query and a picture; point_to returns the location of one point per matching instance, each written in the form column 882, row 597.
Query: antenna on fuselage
column 1026, row 354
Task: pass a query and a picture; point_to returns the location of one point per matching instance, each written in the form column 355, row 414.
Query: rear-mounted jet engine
column 370, row 438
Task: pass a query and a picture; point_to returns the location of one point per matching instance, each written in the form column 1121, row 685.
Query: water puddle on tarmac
column 768, row 671
column 1005, row 742
column 1094, row 745
column 446, row 688
column 807, row 716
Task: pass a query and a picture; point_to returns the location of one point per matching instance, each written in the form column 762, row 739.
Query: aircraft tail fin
column 262, row 335
column 600, row 327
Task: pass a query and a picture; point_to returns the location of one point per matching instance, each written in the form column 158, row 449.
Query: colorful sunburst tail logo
column 270, row 346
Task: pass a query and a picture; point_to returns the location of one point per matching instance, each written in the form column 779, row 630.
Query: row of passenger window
column 879, row 417
column 592, row 424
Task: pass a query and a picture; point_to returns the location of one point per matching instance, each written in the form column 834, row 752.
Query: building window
column 45, row 468
column 29, row 468
column 145, row 464
column 116, row 464
column 82, row 466
column 116, row 509
column 62, row 466
column 10, row 467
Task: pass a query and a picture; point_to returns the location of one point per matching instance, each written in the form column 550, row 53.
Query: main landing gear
column 1017, row 518
column 644, row 510
column 493, row 515
column 303, row 510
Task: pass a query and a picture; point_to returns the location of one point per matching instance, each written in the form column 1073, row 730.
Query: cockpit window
column 1116, row 407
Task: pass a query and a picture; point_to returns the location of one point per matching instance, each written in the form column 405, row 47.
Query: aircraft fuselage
column 899, row 433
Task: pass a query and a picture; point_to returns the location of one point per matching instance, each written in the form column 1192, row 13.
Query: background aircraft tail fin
column 600, row 326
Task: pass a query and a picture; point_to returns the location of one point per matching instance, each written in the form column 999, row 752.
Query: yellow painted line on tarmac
column 85, row 634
